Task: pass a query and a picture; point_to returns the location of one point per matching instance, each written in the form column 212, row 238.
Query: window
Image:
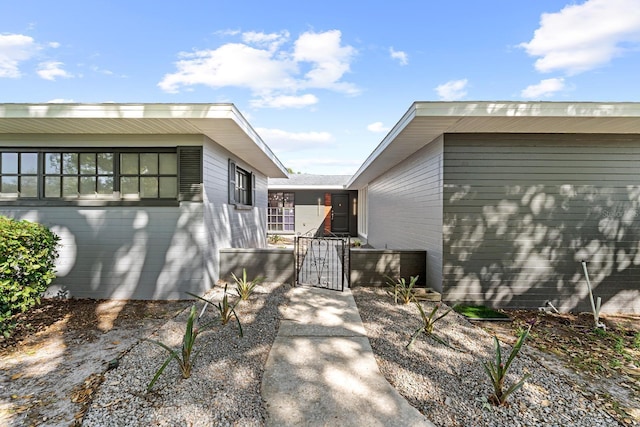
column 242, row 184
column 281, row 212
column 363, row 206
column 89, row 174
column 18, row 175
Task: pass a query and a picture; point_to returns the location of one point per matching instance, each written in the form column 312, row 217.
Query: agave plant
column 184, row 356
column 226, row 310
column 244, row 287
column 428, row 323
column 497, row 371
column 400, row 290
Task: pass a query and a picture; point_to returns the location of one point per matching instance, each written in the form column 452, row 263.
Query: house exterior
column 508, row 198
column 144, row 196
column 314, row 205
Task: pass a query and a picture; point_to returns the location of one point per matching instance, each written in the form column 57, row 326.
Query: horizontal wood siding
column 522, row 211
column 228, row 226
column 125, row 252
column 405, row 208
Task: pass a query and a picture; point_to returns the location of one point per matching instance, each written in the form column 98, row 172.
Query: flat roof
column 223, row 123
column 426, row 121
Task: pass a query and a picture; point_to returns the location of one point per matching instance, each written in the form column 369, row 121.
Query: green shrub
column 27, row 255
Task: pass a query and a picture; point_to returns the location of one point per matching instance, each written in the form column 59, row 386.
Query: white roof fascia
column 306, row 187
column 223, row 123
column 426, row 121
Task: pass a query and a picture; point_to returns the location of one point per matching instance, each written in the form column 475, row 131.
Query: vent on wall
column 190, row 164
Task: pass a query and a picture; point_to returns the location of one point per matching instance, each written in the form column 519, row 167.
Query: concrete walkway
column 321, row 370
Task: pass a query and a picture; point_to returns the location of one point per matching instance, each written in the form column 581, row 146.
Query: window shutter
column 190, row 174
column 253, row 189
column 232, row 182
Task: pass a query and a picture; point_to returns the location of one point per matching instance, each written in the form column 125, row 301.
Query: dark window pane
column 9, row 163
column 29, row 163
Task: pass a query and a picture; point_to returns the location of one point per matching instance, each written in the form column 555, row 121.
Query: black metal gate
column 320, row 262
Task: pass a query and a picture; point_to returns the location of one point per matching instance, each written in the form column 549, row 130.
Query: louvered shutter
column 253, row 189
column 232, row 182
column 190, row 174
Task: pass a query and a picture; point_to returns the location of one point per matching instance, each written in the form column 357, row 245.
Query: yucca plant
column 428, row 323
column 183, row 356
column 400, row 290
column 244, row 287
column 497, row 371
column 226, row 310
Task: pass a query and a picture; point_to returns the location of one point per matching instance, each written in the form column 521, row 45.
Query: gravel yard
column 449, row 385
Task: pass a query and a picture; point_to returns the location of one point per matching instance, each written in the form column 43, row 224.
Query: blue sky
column 321, row 82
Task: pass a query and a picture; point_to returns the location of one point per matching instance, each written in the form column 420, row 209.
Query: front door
column 339, row 213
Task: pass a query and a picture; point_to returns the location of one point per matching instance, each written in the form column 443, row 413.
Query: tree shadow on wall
column 527, row 248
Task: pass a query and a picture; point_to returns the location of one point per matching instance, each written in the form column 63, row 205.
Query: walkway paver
column 321, row 370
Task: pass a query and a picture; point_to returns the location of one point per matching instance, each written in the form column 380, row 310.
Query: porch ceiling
column 223, row 123
column 425, row 121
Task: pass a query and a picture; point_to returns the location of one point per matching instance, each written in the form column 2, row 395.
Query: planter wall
column 370, row 266
column 274, row 264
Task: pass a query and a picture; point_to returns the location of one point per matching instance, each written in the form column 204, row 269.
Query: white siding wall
column 405, row 208
column 226, row 226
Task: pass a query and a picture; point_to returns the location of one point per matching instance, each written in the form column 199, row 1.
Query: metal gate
column 320, row 262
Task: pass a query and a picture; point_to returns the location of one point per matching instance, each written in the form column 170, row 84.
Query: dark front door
column 339, row 213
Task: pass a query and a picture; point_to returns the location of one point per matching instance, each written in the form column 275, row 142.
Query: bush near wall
column 27, row 255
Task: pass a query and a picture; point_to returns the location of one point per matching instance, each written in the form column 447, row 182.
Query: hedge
column 27, row 255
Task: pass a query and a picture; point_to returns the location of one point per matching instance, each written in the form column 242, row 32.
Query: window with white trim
column 363, row 208
column 281, row 212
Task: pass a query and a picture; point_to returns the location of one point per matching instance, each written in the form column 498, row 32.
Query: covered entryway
column 320, row 262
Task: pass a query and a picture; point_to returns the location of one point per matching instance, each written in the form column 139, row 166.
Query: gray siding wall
column 372, row 267
column 405, row 208
column 273, row 264
column 125, row 252
column 522, row 211
column 227, row 226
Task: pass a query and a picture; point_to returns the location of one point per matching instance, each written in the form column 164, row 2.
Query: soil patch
column 55, row 360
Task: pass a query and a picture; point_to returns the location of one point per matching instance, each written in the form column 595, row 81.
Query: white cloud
column 377, row 127
column 61, row 101
column 50, row 70
column 452, row 90
column 14, row 49
column 285, row 101
column 263, row 65
column 545, row 88
column 400, row 56
column 584, row 36
column 280, row 140
column 54, row 45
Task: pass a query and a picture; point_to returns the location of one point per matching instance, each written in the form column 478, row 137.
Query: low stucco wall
column 370, row 266
column 274, row 264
